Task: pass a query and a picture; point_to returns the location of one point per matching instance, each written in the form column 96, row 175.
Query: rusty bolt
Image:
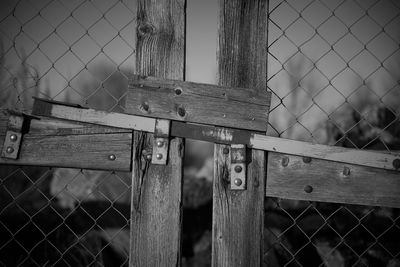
column 396, row 164
column 159, row 156
column 9, row 150
column 238, row 182
column 160, row 143
column 285, row 161
column 225, row 150
column 111, row 157
column 346, row 171
column 306, row 159
column 308, row 189
column 238, row 168
column 13, row 137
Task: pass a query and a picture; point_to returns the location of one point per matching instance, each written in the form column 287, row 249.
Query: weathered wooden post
column 157, row 189
column 238, row 216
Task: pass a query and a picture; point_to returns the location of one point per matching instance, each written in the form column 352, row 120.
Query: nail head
column 160, row 143
column 308, row 189
column 238, row 168
column 346, row 171
column 238, row 182
column 225, row 150
column 306, row 159
column 285, row 161
column 9, row 150
column 13, row 137
column 111, row 157
column 159, row 156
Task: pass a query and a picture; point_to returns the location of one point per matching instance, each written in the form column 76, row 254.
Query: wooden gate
column 162, row 110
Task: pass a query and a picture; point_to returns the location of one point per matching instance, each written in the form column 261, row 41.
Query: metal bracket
column 13, row 138
column 238, row 167
column 161, row 142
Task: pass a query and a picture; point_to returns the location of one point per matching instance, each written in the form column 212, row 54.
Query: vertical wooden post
column 157, row 190
column 238, row 216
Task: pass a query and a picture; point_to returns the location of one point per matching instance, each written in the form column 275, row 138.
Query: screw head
column 238, row 168
column 160, row 143
column 112, row 157
column 396, row 164
column 346, row 171
column 306, row 159
column 159, row 156
column 285, row 161
column 237, row 182
column 225, row 150
column 13, row 137
column 9, row 150
column 178, row 90
column 308, row 189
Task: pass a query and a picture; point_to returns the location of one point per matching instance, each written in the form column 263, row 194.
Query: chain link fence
column 333, row 70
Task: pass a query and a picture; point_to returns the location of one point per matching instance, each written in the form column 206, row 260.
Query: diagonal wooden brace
column 161, row 142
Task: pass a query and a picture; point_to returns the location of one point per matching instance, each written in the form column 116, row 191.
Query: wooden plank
column 68, row 112
column 156, row 189
column 90, row 151
column 328, row 181
column 367, row 158
column 57, row 143
column 238, row 216
column 200, row 103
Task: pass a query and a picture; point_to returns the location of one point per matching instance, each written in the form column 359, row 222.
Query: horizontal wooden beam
column 223, row 135
column 57, row 143
column 299, row 178
column 198, row 103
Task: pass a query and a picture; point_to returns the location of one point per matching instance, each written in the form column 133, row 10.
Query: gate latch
column 238, row 167
column 161, row 142
column 13, row 138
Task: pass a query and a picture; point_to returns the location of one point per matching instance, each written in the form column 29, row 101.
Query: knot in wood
column 145, row 29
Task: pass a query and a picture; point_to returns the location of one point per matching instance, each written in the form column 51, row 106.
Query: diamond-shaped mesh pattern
column 333, row 69
column 75, row 51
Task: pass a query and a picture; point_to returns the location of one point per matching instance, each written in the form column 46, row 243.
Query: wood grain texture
column 200, row 103
column 58, row 143
column 367, row 158
column 362, row 186
column 238, row 216
column 157, row 190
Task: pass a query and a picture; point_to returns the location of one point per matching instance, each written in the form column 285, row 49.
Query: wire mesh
column 74, row 51
column 333, row 70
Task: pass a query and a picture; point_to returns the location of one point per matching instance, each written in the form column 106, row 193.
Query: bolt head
column 225, row 150
column 346, row 171
column 308, row 189
column 237, row 182
column 148, row 156
column 159, row 156
column 238, row 168
column 13, row 137
column 159, row 143
column 9, row 150
column 112, row 157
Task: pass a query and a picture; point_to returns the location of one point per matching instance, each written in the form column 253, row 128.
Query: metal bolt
column 285, row 161
column 306, row 159
column 159, row 156
column 148, row 156
column 9, row 150
column 181, row 112
column 178, row 90
column 396, row 164
column 225, row 150
column 308, row 189
column 238, row 168
column 13, row 137
column 111, row 157
column 160, row 143
column 237, row 182
column 346, row 171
